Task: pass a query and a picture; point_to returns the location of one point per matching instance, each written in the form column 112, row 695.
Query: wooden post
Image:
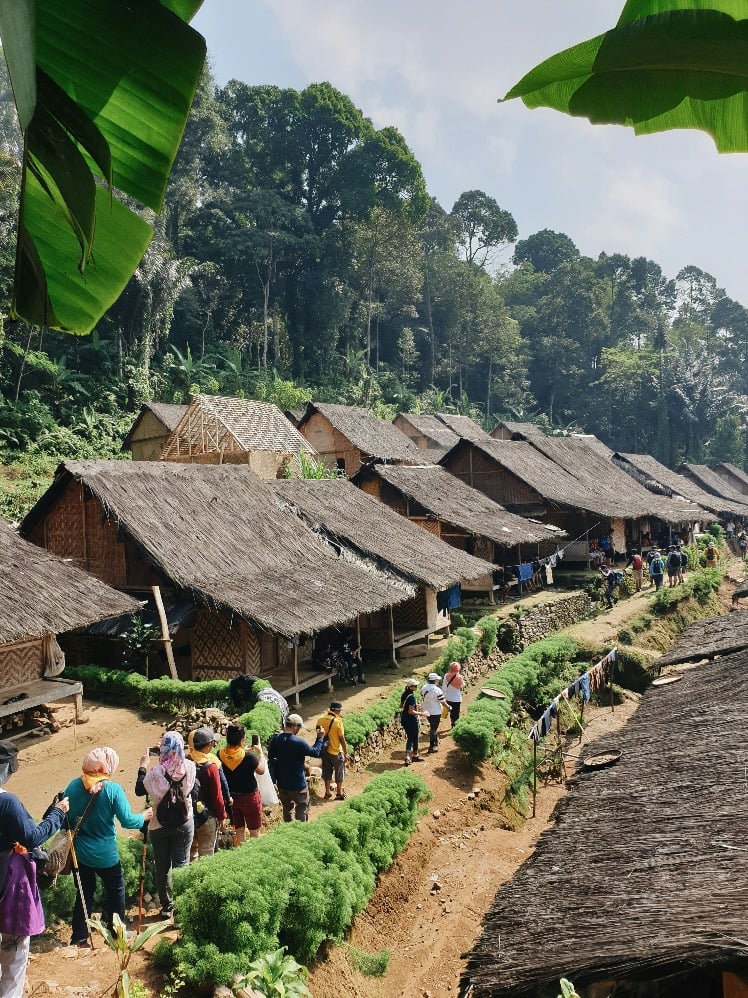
column 165, row 632
column 295, row 672
column 534, row 773
column 560, row 743
column 612, row 706
column 392, row 639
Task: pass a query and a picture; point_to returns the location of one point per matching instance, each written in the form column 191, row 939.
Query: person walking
column 335, row 756
column 287, row 752
column 637, row 567
column 673, row 567
column 240, row 767
column 656, row 569
column 18, row 828
column 409, row 714
column 609, row 577
column 213, row 797
column 96, row 837
column 711, row 555
column 171, row 843
column 452, row 685
column 432, row 699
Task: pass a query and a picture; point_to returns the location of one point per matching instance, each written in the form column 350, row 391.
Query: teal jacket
column 96, row 842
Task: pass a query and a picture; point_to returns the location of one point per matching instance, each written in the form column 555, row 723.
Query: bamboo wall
column 482, row 473
column 405, row 426
column 330, row 444
column 20, row 663
column 223, row 648
column 148, row 438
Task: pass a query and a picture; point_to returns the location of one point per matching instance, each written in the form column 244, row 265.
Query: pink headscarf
column 99, row 765
column 453, row 678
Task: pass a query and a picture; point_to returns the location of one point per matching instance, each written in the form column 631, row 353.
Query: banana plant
column 102, row 91
column 666, row 64
column 117, row 940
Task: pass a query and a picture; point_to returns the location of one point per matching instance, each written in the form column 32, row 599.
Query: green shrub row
column 700, row 585
column 134, row 690
column 298, row 886
column 530, row 676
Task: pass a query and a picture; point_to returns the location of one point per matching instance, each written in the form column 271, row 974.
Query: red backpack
column 636, row 561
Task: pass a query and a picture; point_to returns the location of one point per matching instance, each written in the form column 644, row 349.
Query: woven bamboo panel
column 215, row 643
column 411, row 615
column 285, row 656
column 64, row 524
column 20, row 663
column 372, row 487
column 105, row 553
column 483, row 548
column 433, row 526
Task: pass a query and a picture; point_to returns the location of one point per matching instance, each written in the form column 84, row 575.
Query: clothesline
column 552, row 559
column 587, row 684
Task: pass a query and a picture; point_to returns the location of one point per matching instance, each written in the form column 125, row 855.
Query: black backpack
column 200, row 812
column 173, row 810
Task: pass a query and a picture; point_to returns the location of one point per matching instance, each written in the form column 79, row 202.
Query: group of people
column 438, row 694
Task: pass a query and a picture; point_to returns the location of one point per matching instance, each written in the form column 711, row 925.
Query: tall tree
column 481, row 227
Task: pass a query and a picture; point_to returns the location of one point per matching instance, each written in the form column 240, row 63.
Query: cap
column 295, row 719
column 434, row 677
column 411, row 682
column 203, row 737
column 9, row 755
column 336, row 705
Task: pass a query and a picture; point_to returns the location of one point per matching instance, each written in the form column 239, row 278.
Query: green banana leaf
column 667, row 64
column 103, row 90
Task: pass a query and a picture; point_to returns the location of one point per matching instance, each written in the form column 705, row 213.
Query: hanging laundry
column 449, row 599
column 584, row 686
column 548, row 575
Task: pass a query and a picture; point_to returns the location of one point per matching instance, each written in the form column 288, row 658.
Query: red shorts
column 247, row 810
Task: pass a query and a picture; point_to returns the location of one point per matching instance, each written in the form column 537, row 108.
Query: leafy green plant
column 133, row 689
column 275, row 975
column 137, row 641
column 117, row 941
column 489, row 627
column 567, row 989
column 368, row 964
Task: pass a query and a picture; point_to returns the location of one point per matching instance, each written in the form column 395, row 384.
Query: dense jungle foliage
column 300, row 256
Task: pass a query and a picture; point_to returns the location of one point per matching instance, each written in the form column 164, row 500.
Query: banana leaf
column 103, row 90
column 667, row 64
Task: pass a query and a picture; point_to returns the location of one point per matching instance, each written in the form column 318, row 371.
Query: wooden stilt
column 534, row 774
column 165, row 637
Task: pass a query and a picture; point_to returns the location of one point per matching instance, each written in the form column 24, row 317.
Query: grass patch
column 368, row 964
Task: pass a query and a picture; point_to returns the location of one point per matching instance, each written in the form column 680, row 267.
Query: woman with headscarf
column 171, row 845
column 96, row 838
column 452, row 685
column 18, row 829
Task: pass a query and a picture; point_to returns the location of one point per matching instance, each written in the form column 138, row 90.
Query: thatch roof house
column 218, row 430
column 510, row 429
column 713, row 483
column 427, row 431
column 150, row 431
column 356, row 521
column 463, row 426
column 348, row 436
column 462, row 516
column 41, row 597
column 641, row 886
column 660, row 479
column 568, row 484
column 708, row 638
column 734, row 476
column 260, row 580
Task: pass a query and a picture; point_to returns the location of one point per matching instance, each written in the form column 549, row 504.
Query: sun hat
column 434, row 677
column 411, row 682
column 295, row 719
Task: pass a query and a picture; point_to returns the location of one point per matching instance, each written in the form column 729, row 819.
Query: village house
column 348, row 436
column 575, row 489
column 41, row 597
column 661, row 480
column 348, row 517
column 734, row 476
column 462, row 516
column 258, row 582
column 219, row 430
column 714, row 484
column 151, row 429
column 638, row 890
column 427, row 431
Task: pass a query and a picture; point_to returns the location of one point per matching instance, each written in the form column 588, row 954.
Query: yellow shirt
column 333, row 728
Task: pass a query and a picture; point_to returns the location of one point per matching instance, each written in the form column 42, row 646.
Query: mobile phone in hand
column 255, row 739
column 154, row 750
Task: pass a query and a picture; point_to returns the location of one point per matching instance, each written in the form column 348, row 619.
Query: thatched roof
column 732, row 473
column 592, row 466
column 431, row 426
column 657, row 474
column 463, row 426
column 349, row 516
column 453, row 501
column 166, row 413
column 374, row 437
column 217, row 532
column 645, row 872
column 40, row 593
column 710, row 481
column 235, row 424
column 517, row 430
column 707, row 638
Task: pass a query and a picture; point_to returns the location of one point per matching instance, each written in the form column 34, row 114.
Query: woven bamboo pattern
column 64, row 527
column 216, row 642
column 20, row 663
column 410, row 616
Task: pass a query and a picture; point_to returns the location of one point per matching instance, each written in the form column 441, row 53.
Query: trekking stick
column 142, row 877
column 79, row 885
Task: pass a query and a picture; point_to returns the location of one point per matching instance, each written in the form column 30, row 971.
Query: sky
column 436, row 70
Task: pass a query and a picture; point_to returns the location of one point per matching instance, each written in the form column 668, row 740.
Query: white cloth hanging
column 52, row 655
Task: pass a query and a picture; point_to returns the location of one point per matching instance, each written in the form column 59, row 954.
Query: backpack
column 173, row 810
column 617, row 578
column 656, row 566
column 200, row 812
column 673, row 560
column 636, row 562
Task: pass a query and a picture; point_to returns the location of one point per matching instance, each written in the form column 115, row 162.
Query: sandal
column 341, row 796
column 327, row 797
column 418, row 758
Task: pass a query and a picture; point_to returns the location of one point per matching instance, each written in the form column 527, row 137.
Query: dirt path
column 464, row 844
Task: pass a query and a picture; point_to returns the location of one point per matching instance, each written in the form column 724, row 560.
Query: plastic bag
column 268, row 793
column 21, row 912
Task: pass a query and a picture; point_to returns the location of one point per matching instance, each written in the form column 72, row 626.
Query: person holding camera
column 214, row 797
column 287, row 754
column 240, row 767
column 18, row 828
column 169, row 786
column 96, row 837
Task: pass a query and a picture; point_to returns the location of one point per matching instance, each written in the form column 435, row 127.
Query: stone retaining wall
column 546, row 618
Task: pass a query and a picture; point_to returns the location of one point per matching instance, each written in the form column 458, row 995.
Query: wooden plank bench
column 38, row 692
column 304, row 684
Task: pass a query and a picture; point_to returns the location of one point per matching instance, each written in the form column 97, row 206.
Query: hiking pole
column 79, row 884
column 142, row 877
